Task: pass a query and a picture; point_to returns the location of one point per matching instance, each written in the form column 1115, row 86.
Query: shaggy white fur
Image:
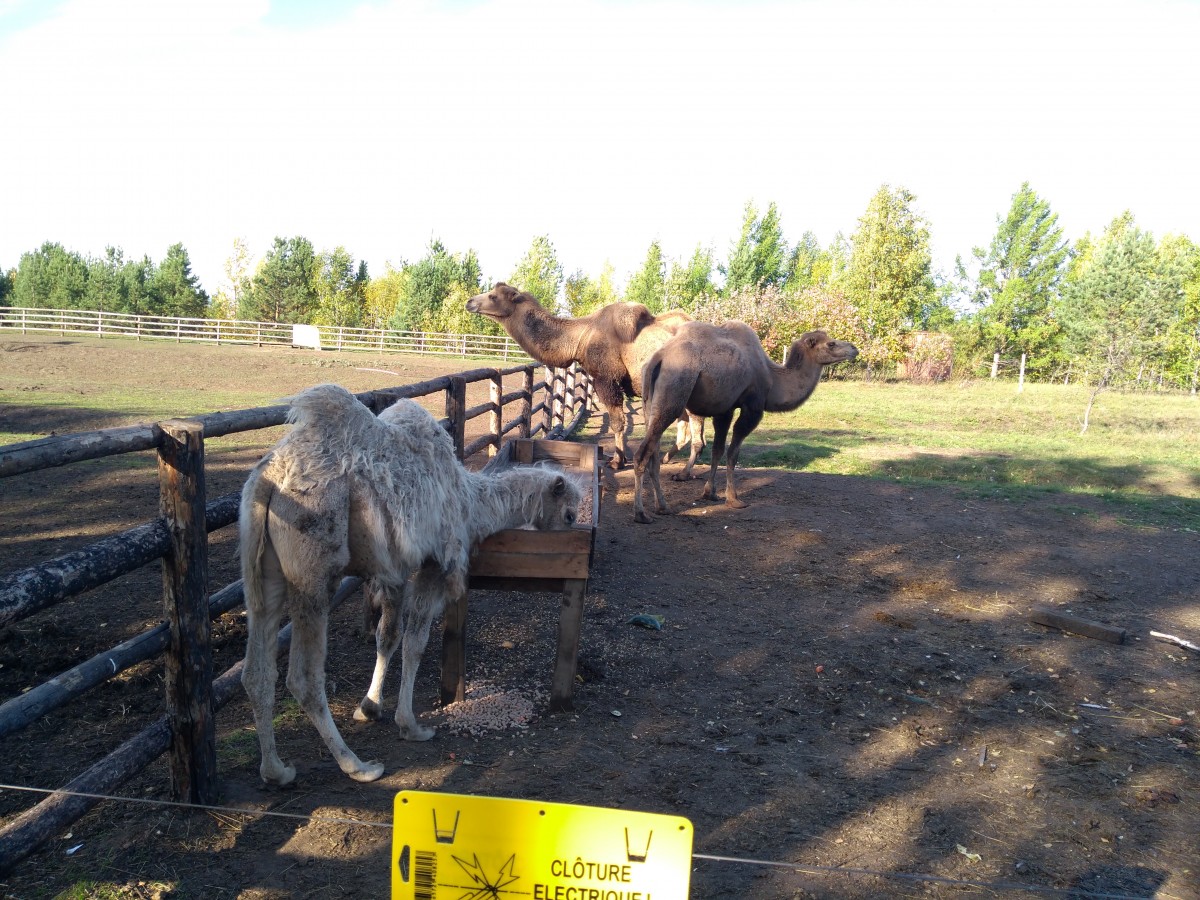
column 347, row 493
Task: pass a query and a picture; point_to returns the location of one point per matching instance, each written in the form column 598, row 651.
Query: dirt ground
column 846, row 676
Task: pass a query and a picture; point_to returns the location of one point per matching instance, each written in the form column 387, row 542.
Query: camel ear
column 560, row 486
column 812, row 341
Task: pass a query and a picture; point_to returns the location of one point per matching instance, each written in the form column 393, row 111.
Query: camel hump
column 672, row 319
column 329, row 415
column 627, row 320
column 319, row 402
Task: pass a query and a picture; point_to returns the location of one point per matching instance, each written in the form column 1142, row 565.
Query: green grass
column 1140, row 452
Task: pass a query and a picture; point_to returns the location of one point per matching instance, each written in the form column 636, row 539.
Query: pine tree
column 1019, row 280
column 759, row 257
column 282, row 290
column 540, row 273
column 889, row 278
column 649, row 285
column 1113, row 314
column 689, row 283
column 174, row 290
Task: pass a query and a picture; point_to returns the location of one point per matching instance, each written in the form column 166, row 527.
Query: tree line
column 1120, row 307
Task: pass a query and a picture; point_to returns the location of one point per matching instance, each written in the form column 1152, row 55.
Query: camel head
column 817, row 347
column 500, row 302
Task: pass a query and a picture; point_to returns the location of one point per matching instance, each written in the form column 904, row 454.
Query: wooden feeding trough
column 524, row 560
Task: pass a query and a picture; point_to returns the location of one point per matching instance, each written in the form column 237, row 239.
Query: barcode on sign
column 425, row 876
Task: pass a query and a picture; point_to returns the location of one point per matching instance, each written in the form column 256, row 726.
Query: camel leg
column 387, row 639
column 616, row 421
column 682, row 437
column 720, row 432
column 646, row 458
column 613, row 398
column 306, row 681
column 425, row 596
column 260, row 671
column 695, row 429
column 747, row 421
column 654, row 465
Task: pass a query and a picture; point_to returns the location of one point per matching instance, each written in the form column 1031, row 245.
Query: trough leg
column 570, row 621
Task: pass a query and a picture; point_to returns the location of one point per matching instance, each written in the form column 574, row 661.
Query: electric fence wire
column 803, row 868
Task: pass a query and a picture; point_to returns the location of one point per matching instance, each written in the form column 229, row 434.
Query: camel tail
column 252, row 532
column 649, row 378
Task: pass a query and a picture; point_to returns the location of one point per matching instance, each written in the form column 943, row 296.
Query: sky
column 603, row 124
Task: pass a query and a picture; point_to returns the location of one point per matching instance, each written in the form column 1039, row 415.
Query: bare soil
column 846, row 676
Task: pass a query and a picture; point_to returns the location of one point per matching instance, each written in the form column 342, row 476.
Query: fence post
column 496, row 420
column 527, row 403
column 548, row 403
column 456, row 408
column 188, row 660
column 995, row 364
column 1021, row 377
column 569, row 396
column 560, row 400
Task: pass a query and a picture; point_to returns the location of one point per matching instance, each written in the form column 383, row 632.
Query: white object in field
column 306, row 336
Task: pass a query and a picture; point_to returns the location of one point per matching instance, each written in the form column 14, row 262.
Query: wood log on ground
column 1042, row 615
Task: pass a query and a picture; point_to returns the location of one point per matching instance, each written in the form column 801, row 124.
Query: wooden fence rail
column 101, row 324
column 179, row 538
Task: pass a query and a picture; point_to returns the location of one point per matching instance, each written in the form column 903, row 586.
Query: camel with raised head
column 715, row 371
column 385, row 498
column 611, row 345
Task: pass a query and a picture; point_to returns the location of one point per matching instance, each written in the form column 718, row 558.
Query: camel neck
column 792, row 383
column 549, row 339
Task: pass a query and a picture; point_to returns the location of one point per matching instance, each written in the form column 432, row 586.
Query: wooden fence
column 233, row 331
column 179, row 538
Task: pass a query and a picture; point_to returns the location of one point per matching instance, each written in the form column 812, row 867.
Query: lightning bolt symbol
column 471, row 868
column 487, row 887
column 505, row 875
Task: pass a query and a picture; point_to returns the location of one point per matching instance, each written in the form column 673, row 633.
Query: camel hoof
column 734, row 503
column 416, row 732
column 280, row 777
column 369, row 772
column 643, row 518
column 684, row 476
column 368, row 711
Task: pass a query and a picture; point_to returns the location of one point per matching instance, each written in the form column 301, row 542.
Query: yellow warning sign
column 455, row 847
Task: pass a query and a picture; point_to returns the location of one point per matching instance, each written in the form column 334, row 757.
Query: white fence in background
column 232, row 331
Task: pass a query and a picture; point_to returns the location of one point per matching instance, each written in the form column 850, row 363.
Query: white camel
column 347, row 493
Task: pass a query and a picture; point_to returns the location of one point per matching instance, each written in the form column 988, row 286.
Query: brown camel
column 611, row 345
column 715, row 370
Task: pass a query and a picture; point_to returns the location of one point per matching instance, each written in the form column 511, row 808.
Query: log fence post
column 527, row 403
column 548, row 404
column 188, row 661
column 496, row 418
column 456, row 408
